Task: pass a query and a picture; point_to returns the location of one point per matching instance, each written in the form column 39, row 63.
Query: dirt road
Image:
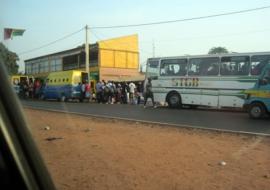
column 90, row 153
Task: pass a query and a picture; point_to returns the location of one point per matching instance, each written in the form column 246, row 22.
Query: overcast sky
column 46, row 21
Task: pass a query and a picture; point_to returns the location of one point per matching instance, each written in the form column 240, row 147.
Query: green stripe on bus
column 209, row 94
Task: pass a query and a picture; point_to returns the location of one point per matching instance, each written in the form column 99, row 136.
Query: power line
column 212, row 36
column 53, row 42
column 180, row 20
column 146, row 24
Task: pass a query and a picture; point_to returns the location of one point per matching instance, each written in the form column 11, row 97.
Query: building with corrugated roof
column 112, row 59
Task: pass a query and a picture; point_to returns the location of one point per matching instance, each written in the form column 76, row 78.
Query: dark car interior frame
column 21, row 165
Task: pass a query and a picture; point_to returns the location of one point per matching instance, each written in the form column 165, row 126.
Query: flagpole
column 87, row 53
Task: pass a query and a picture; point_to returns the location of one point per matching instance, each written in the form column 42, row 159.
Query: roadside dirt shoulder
column 91, row 153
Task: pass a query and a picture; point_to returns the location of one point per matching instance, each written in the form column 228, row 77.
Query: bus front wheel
column 174, row 100
column 256, row 110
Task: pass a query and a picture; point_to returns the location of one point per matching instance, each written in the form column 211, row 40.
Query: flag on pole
column 10, row 32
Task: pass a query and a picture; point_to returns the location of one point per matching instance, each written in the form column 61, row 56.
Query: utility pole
column 87, row 53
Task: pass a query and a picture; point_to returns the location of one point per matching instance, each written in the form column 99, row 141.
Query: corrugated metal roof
column 69, row 52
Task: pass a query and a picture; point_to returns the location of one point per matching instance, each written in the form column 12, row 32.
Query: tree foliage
column 218, row 50
column 9, row 59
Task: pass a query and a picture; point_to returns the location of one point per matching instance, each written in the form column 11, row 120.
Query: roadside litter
column 53, row 138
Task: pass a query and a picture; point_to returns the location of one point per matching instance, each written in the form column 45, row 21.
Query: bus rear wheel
column 256, row 110
column 174, row 100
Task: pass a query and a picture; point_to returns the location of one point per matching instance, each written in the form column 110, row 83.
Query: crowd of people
column 123, row 92
column 104, row 92
column 118, row 92
column 28, row 88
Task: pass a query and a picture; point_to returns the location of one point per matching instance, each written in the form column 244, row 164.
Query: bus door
column 93, row 86
column 23, row 79
column 84, row 77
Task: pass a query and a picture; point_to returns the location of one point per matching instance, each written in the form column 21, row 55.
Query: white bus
column 217, row 80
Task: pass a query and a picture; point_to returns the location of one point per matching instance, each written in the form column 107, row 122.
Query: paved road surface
column 223, row 120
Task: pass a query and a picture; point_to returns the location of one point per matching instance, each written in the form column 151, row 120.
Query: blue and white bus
column 217, row 80
column 257, row 101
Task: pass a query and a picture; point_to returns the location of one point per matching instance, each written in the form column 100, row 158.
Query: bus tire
column 174, row 100
column 256, row 110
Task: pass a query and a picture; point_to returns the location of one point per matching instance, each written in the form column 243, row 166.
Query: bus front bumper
column 76, row 95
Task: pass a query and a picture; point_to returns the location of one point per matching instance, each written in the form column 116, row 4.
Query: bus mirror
column 262, row 82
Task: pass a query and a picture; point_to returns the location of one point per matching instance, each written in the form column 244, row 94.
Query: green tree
column 9, row 59
column 218, row 50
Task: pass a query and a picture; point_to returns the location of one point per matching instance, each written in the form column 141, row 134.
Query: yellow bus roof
column 64, row 77
column 64, row 73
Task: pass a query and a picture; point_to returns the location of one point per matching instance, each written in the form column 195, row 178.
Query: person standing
column 139, row 92
column 31, row 89
column 37, row 88
column 119, row 92
column 99, row 91
column 25, row 89
column 114, row 92
column 87, row 91
column 124, row 93
column 149, row 93
column 131, row 92
column 83, row 91
column 110, row 92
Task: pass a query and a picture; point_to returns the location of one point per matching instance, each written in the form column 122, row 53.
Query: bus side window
column 153, row 64
column 208, row 66
column 258, row 62
column 235, row 65
column 194, row 67
column 162, row 69
column 173, row 67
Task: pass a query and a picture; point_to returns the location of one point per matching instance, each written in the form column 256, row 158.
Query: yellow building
column 112, row 59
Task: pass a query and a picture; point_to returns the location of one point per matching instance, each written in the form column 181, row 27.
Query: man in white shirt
column 132, row 87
